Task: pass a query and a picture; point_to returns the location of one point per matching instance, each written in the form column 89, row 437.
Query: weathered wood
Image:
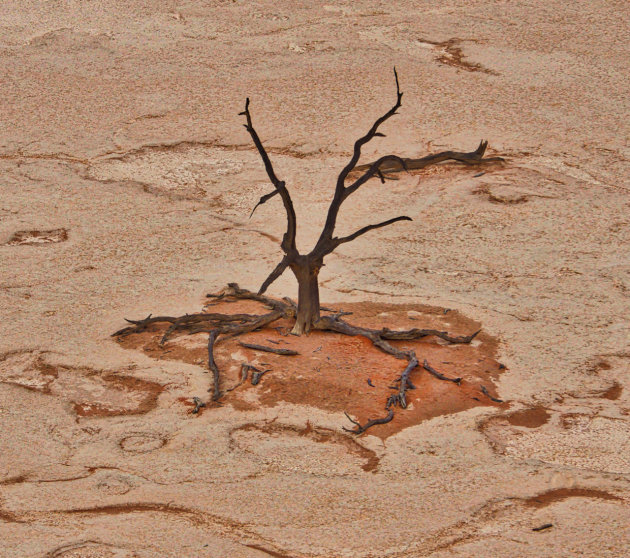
column 274, row 350
column 306, row 268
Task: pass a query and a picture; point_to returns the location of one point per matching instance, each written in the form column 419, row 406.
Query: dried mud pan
column 127, row 185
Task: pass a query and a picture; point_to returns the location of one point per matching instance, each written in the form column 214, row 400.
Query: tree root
column 284, row 352
column 360, row 429
column 485, row 391
column 212, row 365
column 198, row 405
column 473, row 158
column 439, row 375
column 223, row 326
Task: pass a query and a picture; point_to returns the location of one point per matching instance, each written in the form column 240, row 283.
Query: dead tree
column 306, row 267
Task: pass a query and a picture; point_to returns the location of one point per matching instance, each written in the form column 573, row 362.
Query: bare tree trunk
column 306, row 267
column 306, row 272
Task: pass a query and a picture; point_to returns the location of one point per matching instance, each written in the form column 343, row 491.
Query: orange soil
column 332, row 370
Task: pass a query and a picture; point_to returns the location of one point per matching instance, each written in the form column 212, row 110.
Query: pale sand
column 120, row 131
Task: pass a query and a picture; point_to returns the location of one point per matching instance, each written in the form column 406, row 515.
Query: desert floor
column 127, row 182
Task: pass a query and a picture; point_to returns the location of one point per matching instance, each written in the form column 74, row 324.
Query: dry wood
column 212, row 365
column 439, row 375
column 485, row 391
column 360, row 429
column 198, row 405
column 306, row 267
column 257, row 375
column 222, row 326
column 472, row 158
column 284, row 352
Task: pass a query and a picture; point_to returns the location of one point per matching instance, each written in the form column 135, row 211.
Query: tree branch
column 375, row 169
column 262, row 200
column 373, row 132
column 288, row 241
column 349, row 238
column 340, row 189
column 394, row 165
column 278, row 270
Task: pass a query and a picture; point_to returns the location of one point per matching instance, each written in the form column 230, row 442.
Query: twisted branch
column 341, row 192
column 349, row 238
column 288, row 241
column 392, row 164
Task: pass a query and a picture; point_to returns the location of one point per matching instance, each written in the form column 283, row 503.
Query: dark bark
column 306, row 267
column 212, row 365
column 306, row 271
column 274, row 350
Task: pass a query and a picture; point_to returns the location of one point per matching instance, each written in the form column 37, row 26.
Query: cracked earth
column 127, row 183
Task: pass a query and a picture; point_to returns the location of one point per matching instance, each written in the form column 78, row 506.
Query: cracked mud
column 127, row 185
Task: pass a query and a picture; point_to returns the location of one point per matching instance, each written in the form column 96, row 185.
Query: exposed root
column 284, row 352
column 360, row 429
column 439, row 375
column 400, row 397
column 257, row 375
column 379, row 338
column 485, row 391
column 212, row 365
column 222, row 326
column 198, row 405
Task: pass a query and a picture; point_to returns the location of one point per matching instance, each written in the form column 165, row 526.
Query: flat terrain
column 127, row 182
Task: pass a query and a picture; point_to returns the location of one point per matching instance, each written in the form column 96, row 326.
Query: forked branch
column 373, row 132
column 341, row 192
column 288, row 241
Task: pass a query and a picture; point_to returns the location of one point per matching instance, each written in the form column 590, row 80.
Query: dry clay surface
column 127, row 181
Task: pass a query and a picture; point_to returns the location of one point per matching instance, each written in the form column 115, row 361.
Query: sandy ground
column 127, row 180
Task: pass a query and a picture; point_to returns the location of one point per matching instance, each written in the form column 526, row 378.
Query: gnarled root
column 380, row 338
column 222, row 326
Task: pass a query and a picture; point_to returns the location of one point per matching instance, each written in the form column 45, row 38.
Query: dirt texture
column 336, row 373
column 127, row 183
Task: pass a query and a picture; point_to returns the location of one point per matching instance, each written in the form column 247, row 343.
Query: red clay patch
column 559, row 494
column 534, row 417
column 92, row 393
column 331, row 371
column 613, row 392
